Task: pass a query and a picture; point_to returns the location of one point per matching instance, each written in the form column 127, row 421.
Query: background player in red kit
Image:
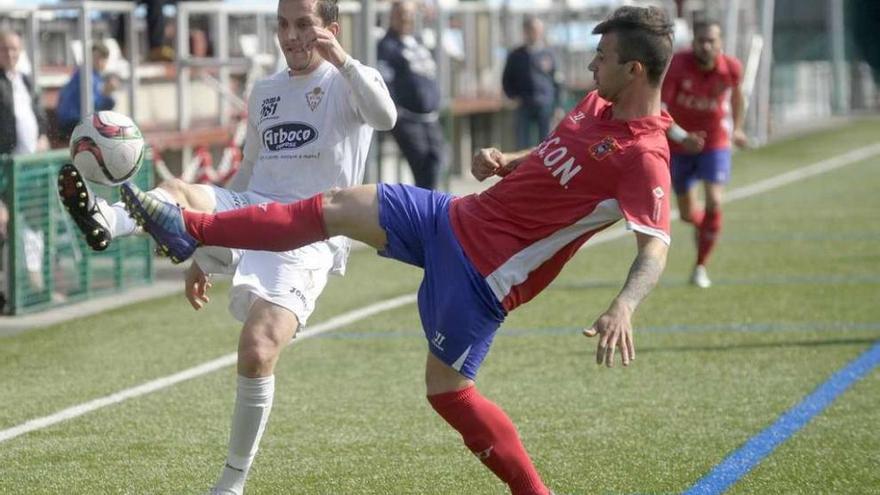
column 701, row 88
column 486, row 254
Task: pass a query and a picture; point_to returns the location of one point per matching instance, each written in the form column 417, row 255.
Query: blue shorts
column 709, row 166
column 459, row 312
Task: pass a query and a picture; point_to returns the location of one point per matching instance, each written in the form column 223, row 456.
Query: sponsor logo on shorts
column 238, row 201
column 437, row 340
column 658, row 204
column 289, row 136
column 299, row 294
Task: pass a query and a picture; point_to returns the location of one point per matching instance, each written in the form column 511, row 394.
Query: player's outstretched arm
column 692, row 142
column 491, row 161
column 738, row 112
column 614, row 326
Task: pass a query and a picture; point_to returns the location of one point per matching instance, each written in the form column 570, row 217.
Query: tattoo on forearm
column 643, row 276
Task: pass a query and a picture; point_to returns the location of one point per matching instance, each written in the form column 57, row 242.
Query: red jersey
column 589, row 173
column 699, row 100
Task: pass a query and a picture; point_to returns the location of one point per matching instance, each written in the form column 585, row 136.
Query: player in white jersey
column 309, row 129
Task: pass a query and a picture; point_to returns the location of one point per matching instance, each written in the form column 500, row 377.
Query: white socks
column 253, row 402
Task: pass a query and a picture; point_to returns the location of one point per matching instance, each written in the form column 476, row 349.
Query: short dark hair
column 701, row 23
column 328, row 11
column 644, row 34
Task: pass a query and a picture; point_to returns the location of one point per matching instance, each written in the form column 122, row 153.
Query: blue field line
column 742, row 461
column 369, row 334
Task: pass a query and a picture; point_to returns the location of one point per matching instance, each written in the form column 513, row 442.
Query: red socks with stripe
column 263, row 227
column 707, row 235
column 491, row 436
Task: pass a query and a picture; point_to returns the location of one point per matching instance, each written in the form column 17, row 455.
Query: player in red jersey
column 486, row 254
column 702, row 86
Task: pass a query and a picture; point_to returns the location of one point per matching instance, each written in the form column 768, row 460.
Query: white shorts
column 290, row 279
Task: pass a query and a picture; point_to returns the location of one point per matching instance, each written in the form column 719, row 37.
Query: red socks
column 263, row 227
column 707, row 235
column 491, row 436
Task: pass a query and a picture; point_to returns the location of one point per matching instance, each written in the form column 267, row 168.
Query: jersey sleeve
column 369, row 97
column 643, row 194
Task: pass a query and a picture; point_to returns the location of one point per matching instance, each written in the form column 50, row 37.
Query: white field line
column 344, row 319
column 196, row 371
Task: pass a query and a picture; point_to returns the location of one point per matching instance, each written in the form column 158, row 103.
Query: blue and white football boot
column 163, row 221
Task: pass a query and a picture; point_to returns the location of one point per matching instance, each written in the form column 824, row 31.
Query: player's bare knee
column 256, row 355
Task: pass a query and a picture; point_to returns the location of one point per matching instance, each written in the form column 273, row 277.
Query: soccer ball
column 107, row 147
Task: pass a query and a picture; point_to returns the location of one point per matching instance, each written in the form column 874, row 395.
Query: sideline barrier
column 45, row 261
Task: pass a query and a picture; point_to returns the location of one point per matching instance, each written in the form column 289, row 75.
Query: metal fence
column 45, row 261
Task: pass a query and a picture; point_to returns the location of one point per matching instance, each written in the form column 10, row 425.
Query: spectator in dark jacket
column 22, row 118
column 410, row 72
column 69, row 113
column 530, row 79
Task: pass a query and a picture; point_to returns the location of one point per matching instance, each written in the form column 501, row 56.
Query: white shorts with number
column 290, row 279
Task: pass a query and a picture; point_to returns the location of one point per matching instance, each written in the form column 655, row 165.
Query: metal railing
column 84, row 12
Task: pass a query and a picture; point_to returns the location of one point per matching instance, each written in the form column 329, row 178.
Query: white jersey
column 306, row 134
column 310, row 133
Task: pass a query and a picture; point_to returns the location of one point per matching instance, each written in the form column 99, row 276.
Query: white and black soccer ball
column 107, row 147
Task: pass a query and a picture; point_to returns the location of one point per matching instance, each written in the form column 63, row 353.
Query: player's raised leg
column 352, row 212
column 101, row 222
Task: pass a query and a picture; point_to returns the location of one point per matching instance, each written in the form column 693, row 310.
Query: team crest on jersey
column 604, row 148
column 314, row 97
column 269, row 106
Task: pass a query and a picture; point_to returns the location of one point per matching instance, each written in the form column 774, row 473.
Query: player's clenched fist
column 326, row 44
column 486, row 163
